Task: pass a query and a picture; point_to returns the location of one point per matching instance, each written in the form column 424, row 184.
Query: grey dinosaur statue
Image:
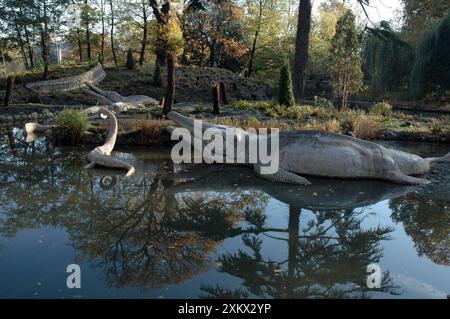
column 324, row 154
column 94, row 75
column 114, row 98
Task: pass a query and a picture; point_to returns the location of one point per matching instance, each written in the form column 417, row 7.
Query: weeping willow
column 387, row 60
column 431, row 69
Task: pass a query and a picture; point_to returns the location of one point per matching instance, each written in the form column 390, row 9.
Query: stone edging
column 22, row 117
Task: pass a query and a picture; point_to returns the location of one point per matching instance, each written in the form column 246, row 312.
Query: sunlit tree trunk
column 88, row 32
column 112, row 32
column 28, row 43
column 301, row 48
column 170, row 90
column 255, row 39
column 44, row 40
column 144, row 36
column 22, row 49
column 102, row 49
column 80, row 47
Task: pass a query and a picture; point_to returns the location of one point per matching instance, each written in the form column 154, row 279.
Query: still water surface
column 214, row 231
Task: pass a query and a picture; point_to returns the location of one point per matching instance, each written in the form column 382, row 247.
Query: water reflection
column 426, row 219
column 165, row 225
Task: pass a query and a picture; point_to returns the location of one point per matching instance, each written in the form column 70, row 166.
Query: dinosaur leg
column 398, row 177
column 393, row 174
column 282, row 176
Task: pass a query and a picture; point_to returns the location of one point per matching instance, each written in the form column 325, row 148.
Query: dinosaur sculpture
column 99, row 155
column 95, row 75
column 114, row 98
column 324, row 154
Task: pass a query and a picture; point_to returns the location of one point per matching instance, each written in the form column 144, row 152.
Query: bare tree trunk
column 223, row 93
column 29, row 48
column 28, row 43
column 170, row 89
column 216, row 98
column 80, row 48
column 301, row 48
column 9, row 90
column 102, row 49
column 212, row 54
column 44, row 40
column 22, row 49
column 144, row 36
column 255, row 39
column 88, row 34
column 112, row 31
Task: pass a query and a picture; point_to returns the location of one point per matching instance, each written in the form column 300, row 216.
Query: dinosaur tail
column 443, row 159
column 108, row 161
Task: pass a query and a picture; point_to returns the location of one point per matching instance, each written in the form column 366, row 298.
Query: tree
column 130, row 60
column 323, row 28
column 157, row 81
column 263, row 30
column 113, row 50
column 214, row 35
column 89, row 16
column 74, row 21
column 144, row 33
column 169, row 41
column 432, row 67
column 421, row 15
column 285, row 93
column 387, row 59
column 345, row 70
column 301, row 47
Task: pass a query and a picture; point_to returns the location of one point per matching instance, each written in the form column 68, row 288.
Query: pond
column 175, row 231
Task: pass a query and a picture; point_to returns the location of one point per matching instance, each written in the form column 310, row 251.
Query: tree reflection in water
column 159, row 227
column 425, row 215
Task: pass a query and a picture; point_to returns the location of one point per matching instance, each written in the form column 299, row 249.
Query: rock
column 34, row 115
column 2, row 118
column 24, row 117
column 9, row 118
column 17, row 117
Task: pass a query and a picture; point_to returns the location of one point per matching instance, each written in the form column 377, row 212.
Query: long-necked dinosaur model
column 101, row 155
column 326, row 154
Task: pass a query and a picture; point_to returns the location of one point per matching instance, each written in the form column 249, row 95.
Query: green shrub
column 275, row 110
column 157, row 81
column 285, row 91
column 242, row 105
column 72, row 124
column 323, row 102
column 381, row 108
column 199, row 108
column 130, row 60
